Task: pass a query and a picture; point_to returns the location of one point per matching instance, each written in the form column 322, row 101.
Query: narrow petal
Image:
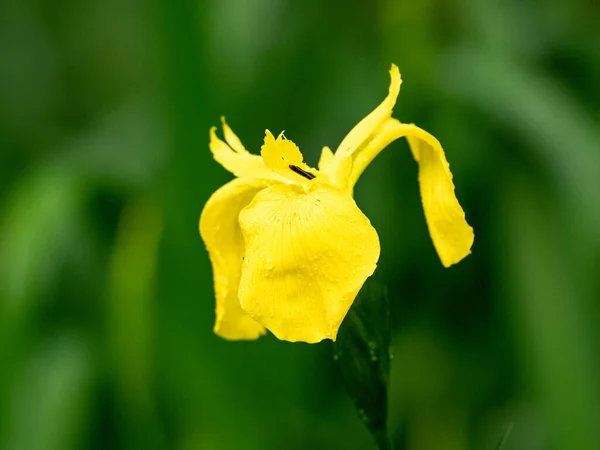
column 451, row 234
column 360, row 135
column 231, row 138
column 239, row 162
column 326, row 159
column 308, row 253
column 220, row 230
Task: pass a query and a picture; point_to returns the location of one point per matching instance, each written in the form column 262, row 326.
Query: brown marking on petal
column 302, row 172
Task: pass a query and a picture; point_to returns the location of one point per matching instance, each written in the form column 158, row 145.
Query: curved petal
column 360, row 135
column 387, row 132
column 451, row 234
column 308, row 253
column 231, row 138
column 234, row 157
column 220, row 230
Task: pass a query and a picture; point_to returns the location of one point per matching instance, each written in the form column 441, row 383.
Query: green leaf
column 504, row 437
column 362, row 352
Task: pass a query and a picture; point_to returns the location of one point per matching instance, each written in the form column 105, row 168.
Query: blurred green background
column 106, row 300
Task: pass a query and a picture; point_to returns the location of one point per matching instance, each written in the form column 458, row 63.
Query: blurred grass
column 106, row 302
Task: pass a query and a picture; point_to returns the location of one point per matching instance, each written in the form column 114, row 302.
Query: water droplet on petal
column 268, row 267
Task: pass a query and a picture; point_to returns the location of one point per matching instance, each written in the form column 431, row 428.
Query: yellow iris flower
column 289, row 247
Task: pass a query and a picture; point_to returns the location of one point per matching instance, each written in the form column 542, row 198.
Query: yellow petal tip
column 241, row 331
column 460, row 250
column 395, row 80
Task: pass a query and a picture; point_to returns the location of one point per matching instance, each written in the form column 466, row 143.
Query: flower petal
column 220, row 230
column 308, row 253
column 280, row 153
column 451, row 234
column 231, row 138
column 326, row 159
column 237, row 160
column 284, row 157
column 363, row 131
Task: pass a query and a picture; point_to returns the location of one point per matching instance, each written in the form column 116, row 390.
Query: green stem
column 362, row 352
column 382, row 440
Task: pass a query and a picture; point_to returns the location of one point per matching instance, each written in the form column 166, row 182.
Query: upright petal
column 307, row 255
column 360, row 135
column 231, row 138
column 237, row 160
column 220, row 230
column 326, row 159
column 451, row 234
column 284, row 157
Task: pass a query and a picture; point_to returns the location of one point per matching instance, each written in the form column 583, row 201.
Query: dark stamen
column 302, row 172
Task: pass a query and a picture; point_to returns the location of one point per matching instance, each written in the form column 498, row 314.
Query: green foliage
column 362, row 351
column 106, row 301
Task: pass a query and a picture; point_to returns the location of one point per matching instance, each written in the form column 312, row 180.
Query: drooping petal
column 360, row 135
column 220, row 230
column 451, row 234
column 307, row 255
